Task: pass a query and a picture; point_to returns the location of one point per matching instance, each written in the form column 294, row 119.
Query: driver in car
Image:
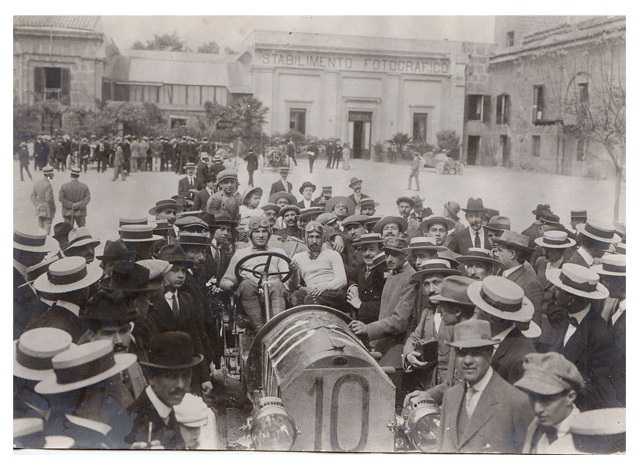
column 259, row 230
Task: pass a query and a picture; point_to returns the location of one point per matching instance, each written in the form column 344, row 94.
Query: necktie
column 573, row 322
column 551, row 432
column 174, row 304
column 471, row 391
column 476, row 241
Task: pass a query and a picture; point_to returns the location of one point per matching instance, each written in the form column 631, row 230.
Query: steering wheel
column 261, row 270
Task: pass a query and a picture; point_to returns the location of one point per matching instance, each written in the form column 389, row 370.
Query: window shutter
column 38, row 82
column 65, row 84
column 486, row 109
column 499, row 107
column 506, row 109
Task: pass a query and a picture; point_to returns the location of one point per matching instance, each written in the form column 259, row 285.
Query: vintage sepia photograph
column 377, row 234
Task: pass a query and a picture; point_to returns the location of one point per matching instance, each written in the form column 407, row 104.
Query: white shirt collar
column 72, row 307
column 502, row 335
column 510, row 271
column 163, row 410
column 472, row 234
column 480, row 385
column 564, row 427
column 94, row 425
column 581, row 315
column 586, row 256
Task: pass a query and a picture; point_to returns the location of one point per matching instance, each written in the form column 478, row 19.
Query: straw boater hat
column 32, row 240
column 368, row 202
column 417, row 244
column 163, row 204
column 502, row 298
column 368, row 239
column 271, row 207
column 305, row 185
column 555, row 239
column 162, row 227
column 598, row 232
column 429, row 267
column 28, row 433
column 227, row 174
column 327, row 218
column 611, row 265
column 80, row 237
column 400, row 221
column 431, row 220
column 472, row 333
column 397, row 245
column 68, row 274
column 85, row 365
column 138, row 233
column 132, row 221
column 283, row 194
column 478, row 255
column 579, row 215
column 32, row 353
column 577, row 280
column 189, row 166
column 172, row 350
column 548, row 374
column 47, row 170
column 247, row 194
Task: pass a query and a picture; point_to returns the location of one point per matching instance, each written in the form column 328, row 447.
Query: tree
column 449, row 140
column 210, row 47
column 248, row 116
column 400, row 140
column 170, row 42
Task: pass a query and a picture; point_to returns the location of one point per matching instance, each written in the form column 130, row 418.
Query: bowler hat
column 431, row 220
column 172, row 350
column 33, row 351
column 472, row 333
column 401, row 222
column 454, row 290
column 548, row 374
column 577, row 280
column 283, row 194
column 84, row 365
column 162, row 205
column 611, row 265
column 598, row 232
column 115, row 250
column 555, row 239
column 474, row 205
column 434, row 266
column 305, row 185
column 513, row 240
column 68, row 274
column 502, row 298
column 355, row 181
column 32, row 240
column 174, row 254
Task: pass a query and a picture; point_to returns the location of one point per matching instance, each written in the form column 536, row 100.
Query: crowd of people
column 516, row 335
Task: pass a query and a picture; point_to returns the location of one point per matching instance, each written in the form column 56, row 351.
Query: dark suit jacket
column 74, row 197
column 576, row 258
column 591, row 349
column 460, row 242
column 184, row 186
column 200, row 200
column 370, row 291
column 498, row 424
column 527, row 278
column 202, row 173
column 26, row 305
column 619, row 365
column 143, row 413
column 508, row 357
column 279, row 186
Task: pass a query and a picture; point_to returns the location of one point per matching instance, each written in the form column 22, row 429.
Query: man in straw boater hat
column 66, row 289
column 504, row 305
column 81, row 243
column 29, row 249
column 552, row 383
column 85, row 379
column 601, row 431
column 226, row 199
column 368, row 206
column 139, row 239
column 473, row 236
column 364, row 293
column 585, row 340
column 479, row 263
column 169, row 366
column 595, row 239
column 165, row 209
column 74, row 197
column 483, row 412
column 32, row 354
column 613, row 271
column 420, row 352
column 43, row 199
column 306, row 190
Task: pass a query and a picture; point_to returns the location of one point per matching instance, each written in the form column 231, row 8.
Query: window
column 176, row 122
column 510, row 38
column 136, row 93
column 583, row 93
column 52, row 83
column 152, row 94
column 297, row 120
column 478, row 107
column 538, row 102
column 193, row 95
column 420, row 127
column 503, row 107
column 106, row 90
column 535, row 145
column 179, row 94
column 208, row 94
column 121, row 92
column 581, row 149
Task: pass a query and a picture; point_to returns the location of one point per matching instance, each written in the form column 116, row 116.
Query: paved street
column 515, row 194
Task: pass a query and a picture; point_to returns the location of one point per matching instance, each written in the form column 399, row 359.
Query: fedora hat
column 368, row 239
column 172, row 350
column 433, row 266
column 397, row 244
column 354, row 219
column 157, row 269
column 28, row 433
column 355, row 181
column 283, row 194
column 128, row 276
column 309, row 213
column 115, row 250
column 340, row 200
column 84, row 365
column 32, row 240
column 478, row 255
column 68, row 274
column 474, row 205
column 247, row 194
column 192, row 238
column 305, row 185
column 417, row 244
column 431, row 220
column 163, row 204
column 598, row 232
column 401, row 222
column 555, row 239
column 454, row 290
column 577, row 280
column 611, row 265
column 502, row 298
column 498, row 224
column 472, row 333
column 80, row 237
column 287, row 208
column 174, row 254
column 132, row 221
column 33, row 351
column 106, row 309
column 138, row 233
column 513, row 240
column 549, row 374
column 540, row 209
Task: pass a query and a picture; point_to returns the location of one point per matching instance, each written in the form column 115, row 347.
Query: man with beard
column 169, row 368
column 586, row 341
column 227, row 197
column 81, row 243
column 364, row 294
column 289, row 215
column 353, row 227
column 473, row 236
column 322, row 271
column 479, row 263
column 357, row 196
column 291, row 237
column 436, row 227
column 248, row 292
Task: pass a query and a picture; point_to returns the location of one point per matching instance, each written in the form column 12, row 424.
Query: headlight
column 272, row 428
column 422, row 426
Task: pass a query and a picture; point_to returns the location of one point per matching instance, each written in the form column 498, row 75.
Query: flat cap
column 548, row 374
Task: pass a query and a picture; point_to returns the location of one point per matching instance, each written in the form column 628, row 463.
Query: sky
column 230, row 30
